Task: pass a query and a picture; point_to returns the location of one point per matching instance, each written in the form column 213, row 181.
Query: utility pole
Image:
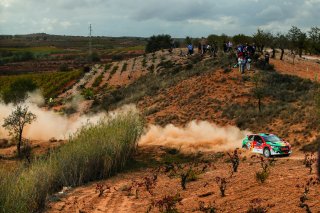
column 90, row 43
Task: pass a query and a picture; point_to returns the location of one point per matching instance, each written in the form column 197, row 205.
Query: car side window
column 258, row 139
column 250, row 138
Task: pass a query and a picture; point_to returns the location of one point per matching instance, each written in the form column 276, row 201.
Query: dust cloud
column 48, row 124
column 194, row 137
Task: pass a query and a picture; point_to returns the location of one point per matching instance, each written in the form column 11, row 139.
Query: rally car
column 266, row 144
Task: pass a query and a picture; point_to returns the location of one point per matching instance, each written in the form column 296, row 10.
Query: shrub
column 144, row 62
column 113, row 71
column 63, row 67
column 261, row 176
column 107, row 66
column 88, row 94
column 158, row 42
column 168, row 203
column 304, row 196
column 124, row 67
column 235, row 160
column 98, row 80
column 95, row 152
column 209, row 208
column 260, row 64
column 166, row 64
column 309, row 160
column 256, row 207
column 18, row 90
column 222, row 182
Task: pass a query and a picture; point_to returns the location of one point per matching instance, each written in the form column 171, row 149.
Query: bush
column 98, row 80
column 158, row 42
column 262, row 176
column 107, row 66
column 18, row 90
column 95, row 152
column 124, row 68
column 260, row 64
column 88, row 94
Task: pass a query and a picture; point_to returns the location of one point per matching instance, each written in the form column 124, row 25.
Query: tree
column 282, row 43
column 241, row 39
column 258, row 90
column 17, row 91
column 314, row 40
column 16, row 122
column 272, row 44
column 188, row 40
column 261, row 39
column 158, row 42
column 216, row 41
column 297, row 40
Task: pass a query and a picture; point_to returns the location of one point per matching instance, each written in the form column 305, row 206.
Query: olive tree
column 282, row 43
column 16, row 122
column 297, row 39
column 258, row 90
column 314, row 40
column 262, row 39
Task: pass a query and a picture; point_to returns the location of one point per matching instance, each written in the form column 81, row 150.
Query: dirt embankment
column 280, row 193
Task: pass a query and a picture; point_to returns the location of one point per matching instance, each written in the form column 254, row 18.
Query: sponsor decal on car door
column 258, row 144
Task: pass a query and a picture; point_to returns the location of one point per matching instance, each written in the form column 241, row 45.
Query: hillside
column 173, row 90
column 209, row 91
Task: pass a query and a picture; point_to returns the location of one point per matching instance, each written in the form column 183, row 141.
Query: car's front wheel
column 267, row 153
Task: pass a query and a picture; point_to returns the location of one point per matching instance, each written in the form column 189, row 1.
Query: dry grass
column 95, row 152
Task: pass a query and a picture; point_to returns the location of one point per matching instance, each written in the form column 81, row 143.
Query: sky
column 143, row 18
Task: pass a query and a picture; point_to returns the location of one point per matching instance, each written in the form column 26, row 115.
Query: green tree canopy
column 18, row 90
column 158, row 42
column 297, row 39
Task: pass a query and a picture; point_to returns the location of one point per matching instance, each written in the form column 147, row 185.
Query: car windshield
column 271, row 138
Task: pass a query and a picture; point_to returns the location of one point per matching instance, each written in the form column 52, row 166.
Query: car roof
column 263, row 134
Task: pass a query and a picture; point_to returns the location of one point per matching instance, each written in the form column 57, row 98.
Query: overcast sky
column 178, row 18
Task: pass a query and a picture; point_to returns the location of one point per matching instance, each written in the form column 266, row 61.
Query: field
column 50, row 83
column 42, row 52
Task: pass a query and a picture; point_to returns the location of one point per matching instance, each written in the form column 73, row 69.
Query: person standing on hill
column 230, row 45
column 241, row 58
column 199, row 47
column 225, row 46
column 190, row 49
column 266, row 58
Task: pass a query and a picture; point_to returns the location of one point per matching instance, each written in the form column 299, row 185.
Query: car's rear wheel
column 267, row 153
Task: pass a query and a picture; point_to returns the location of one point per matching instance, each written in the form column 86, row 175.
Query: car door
column 250, row 142
column 258, row 144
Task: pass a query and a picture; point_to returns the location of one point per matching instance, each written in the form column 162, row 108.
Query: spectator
column 266, row 58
